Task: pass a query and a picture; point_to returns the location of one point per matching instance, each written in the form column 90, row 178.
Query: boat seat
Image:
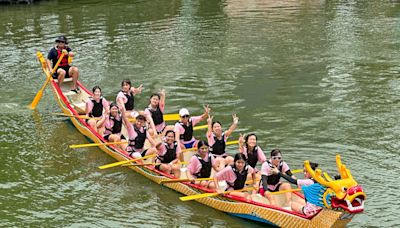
column 80, row 107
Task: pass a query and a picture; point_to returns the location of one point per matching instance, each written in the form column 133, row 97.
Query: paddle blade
column 199, row 196
column 125, row 162
column 36, row 99
column 170, row 117
column 200, row 127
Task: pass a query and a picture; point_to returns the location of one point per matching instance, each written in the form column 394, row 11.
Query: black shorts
column 106, row 137
column 66, row 68
column 276, row 189
column 143, row 153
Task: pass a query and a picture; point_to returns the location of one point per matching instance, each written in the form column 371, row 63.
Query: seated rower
column 138, row 134
column 154, row 112
column 270, row 182
column 94, row 108
column 168, row 153
column 126, row 97
column 217, row 140
column 248, row 146
column 200, row 165
column 184, row 127
column 113, row 125
column 307, row 208
column 236, row 176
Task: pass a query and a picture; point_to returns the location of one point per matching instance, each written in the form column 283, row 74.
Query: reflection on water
column 309, row 77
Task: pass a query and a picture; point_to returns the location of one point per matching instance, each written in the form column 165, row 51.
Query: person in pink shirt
column 137, row 136
column 307, row 209
column 113, row 126
column 126, row 97
column 271, row 182
column 168, row 155
column 200, row 165
column 217, row 140
column 184, row 127
column 236, row 176
column 248, row 146
column 94, row 108
column 154, row 112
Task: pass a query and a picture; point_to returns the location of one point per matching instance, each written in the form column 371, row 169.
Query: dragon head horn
column 343, row 171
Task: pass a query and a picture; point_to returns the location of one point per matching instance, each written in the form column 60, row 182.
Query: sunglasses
column 185, row 116
column 59, row 41
column 277, row 158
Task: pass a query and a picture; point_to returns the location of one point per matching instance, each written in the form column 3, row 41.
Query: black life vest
column 218, row 147
column 117, row 126
column 138, row 142
column 64, row 61
column 130, row 103
column 252, row 158
column 170, row 155
column 273, row 179
column 97, row 109
column 188, row 134
column 240, row 178
column 205, row 170
column 157, row 115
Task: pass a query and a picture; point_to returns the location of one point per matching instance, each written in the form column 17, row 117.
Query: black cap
column 63, row 39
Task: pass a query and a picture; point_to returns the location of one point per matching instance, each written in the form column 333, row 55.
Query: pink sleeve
column 131, row 133
column 121, row 95
column 226, row 174
column 251, row 170
column 304, row 182
column 178, row 150
column 212, row 161
column 210, row 139
column 194, row 165
column 179, row 128
column 105, row 103
column 147, row 112
column 265, row 169
column 195, row 120
column 261, row 155
column 89, row 106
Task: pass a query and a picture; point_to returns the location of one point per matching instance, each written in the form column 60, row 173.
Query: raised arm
column 235, row 121
column 162, row 99
column 137, row 90
column 206, row 112
column 241, row 143
column 209, row 123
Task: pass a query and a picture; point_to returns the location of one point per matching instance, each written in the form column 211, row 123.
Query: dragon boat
column 340, row 199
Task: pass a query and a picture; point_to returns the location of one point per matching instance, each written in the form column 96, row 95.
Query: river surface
column 313, row 78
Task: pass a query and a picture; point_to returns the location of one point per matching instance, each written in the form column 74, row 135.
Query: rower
column 138, row 134
column 184, row 127
column 200, row 165
column 126, row 97
column 64, row 70
column 154, row 112
column 168, row 154
column 270, row 181
column 235, row 176
column 94, row 108
column 248, row 146
column 113, row 125
column 217, row 140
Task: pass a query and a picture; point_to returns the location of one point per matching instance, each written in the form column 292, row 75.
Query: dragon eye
column 344, row 189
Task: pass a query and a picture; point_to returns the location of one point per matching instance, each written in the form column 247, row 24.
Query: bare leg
column 270, row 198
column 297, row 207
column 229, row 160
column 176, row 170
column 74, row 73
column 61, row 76
column 288, row 195
column 166, row 168
column 92, row 124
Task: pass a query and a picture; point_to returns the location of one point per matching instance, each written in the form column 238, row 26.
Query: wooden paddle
column 185, row 180
column 284, row 191
column 130, row 119
column 95, row 144
column 199, row 196
column 125, row 162
column 39, row 94
column 153, row 164
column 79, row 116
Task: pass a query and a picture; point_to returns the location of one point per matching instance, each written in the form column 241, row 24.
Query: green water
column 314, row 78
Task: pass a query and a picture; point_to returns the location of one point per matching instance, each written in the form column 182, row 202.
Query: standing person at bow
column 94, row 108
column 217, row 140
column 270, row 181
column 184, row 127
column 64, row 70
column 200, row 165
column 168, row 154
column 138, row 134
column 155, row 111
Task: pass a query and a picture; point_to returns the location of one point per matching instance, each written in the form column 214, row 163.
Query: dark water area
column 313, row 78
